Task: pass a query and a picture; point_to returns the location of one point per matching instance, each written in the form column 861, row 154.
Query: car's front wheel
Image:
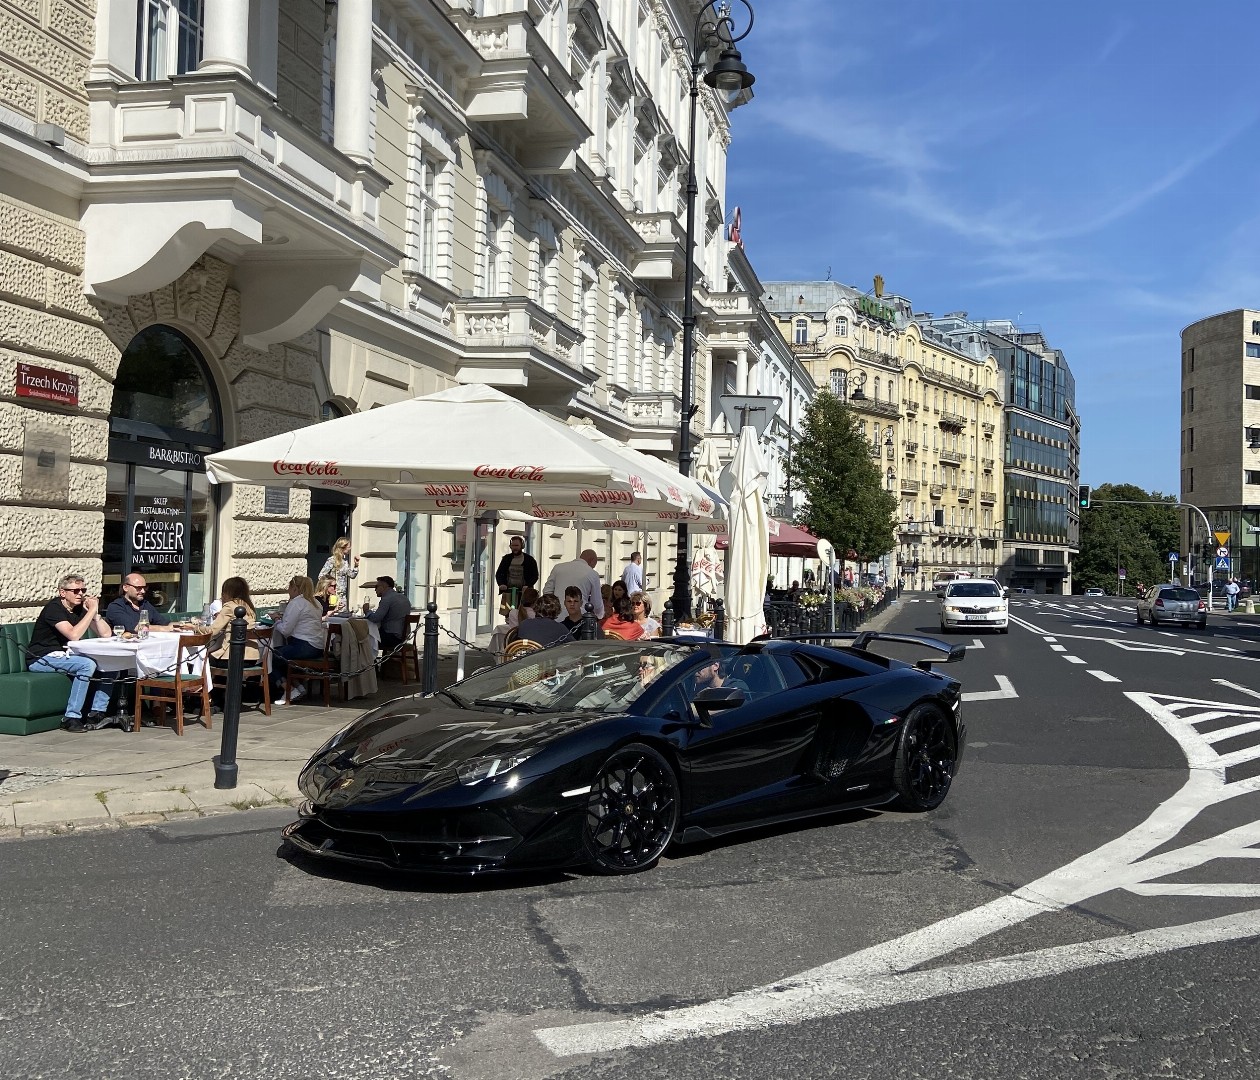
column 632, row 811
column 927, row 753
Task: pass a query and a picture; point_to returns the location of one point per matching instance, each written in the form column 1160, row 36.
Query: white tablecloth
column 153, row 656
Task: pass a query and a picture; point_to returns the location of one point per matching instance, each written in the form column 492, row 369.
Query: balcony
column 909, row 487
column 986, row 427
column 780, row 506
column 952, row 457
column 522, row 83
column 934, row 376
column 936, row 490
column 871, row 407
column 912, row 448
column 661, row 257
column 988, row 496
column 986, row 463
column 964, row 494
column 509, row 341
column 952, row 419
column 207, row 160
column 912, row 407
column 880, row 359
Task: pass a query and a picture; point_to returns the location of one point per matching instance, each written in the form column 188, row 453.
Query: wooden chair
column 323, row 670
column 189, row 677
column 261, row 635
column 408, row 655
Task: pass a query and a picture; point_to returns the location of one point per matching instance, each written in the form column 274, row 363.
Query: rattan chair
column 520, row 647
column 188, row 677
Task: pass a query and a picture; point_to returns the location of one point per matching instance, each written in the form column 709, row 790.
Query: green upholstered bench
column 30, row 701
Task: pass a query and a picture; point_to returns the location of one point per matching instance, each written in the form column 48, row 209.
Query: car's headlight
column 475, row 770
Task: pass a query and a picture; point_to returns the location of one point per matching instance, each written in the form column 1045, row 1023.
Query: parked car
column 1095, row 592
column 603, row 753
column 1172, row 604
column 973, row 604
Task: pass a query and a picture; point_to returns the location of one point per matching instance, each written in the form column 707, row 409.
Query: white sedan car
column 973, row 604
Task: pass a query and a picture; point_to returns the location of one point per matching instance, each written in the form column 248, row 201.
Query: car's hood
column 432, row 733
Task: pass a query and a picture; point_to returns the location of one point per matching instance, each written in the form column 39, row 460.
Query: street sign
column 1122, row 573
column 1222, row 537
column 1222, row 552
column 1172, row 556
column 1222, row 562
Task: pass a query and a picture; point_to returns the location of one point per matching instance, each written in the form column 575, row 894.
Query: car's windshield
column 974, row 588
column 604, row 675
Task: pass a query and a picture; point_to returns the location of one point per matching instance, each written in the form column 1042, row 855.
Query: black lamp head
column 729, row 73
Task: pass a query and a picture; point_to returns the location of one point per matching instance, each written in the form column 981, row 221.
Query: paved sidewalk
column 60, row 782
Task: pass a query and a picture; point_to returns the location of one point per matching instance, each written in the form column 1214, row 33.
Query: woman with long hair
column 339, row 566
column 234, row 594
column 619, row 592
column 302, row 627
column 325, row 592
column 525, row 609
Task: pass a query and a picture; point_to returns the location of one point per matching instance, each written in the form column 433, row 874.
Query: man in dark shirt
column 67, row 617
column 391, row 613
column 125, row 610
column 517, row 570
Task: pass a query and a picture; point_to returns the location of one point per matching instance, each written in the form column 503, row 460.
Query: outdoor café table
column 155, row 655
column 360, row 642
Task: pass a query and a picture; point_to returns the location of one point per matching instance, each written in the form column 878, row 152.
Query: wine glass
column 119, row 630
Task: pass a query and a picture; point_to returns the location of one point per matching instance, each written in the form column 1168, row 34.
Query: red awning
column 789, row 541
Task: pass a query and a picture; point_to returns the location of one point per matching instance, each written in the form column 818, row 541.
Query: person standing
column 518, row 570
column 1232, row 589
column 126, row 609
column 390, row 614
column 65, row 618
column 632, row 575
column 581, row 573
column 342, row 569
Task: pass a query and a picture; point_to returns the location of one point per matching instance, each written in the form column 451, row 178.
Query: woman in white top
column 302, row 625
column 643, row 614
column 523, row 610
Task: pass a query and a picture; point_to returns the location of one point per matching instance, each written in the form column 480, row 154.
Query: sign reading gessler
column 157, row 534
column 47, row 384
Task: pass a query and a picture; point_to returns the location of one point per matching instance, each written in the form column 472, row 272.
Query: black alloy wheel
column 926, row 756
column 632, row 811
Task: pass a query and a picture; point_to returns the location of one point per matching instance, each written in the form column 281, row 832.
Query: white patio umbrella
column 748, row 557
column 466, row 448
column 707, row 571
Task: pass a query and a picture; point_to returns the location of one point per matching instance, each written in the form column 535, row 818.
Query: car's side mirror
column 714, row 699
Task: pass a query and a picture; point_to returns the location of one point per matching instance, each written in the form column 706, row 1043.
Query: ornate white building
column 223, row 220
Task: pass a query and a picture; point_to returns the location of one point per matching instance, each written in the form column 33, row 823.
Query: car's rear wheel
column 927, row 753
column 1154, row 621
column 1138, row 615
column 632, row 811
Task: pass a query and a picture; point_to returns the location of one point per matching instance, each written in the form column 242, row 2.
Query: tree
column 847, row 502
column 1135, row 537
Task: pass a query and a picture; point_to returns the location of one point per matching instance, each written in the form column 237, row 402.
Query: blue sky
column 1091, row 169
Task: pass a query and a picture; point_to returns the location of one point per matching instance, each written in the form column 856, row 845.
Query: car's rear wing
column 862, row 638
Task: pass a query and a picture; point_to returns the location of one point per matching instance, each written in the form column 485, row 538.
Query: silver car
column 1172, row 604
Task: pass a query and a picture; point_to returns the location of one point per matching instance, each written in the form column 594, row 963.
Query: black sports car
column 604, row 752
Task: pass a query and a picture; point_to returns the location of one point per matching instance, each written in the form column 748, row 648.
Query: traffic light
column 1084, row 497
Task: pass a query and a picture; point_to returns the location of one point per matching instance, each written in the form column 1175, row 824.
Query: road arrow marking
column 1005, row 690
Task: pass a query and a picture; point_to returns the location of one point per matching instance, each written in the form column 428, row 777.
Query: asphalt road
column 1084, row 905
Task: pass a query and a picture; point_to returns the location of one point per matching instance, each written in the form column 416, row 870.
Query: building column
column 352, row 109
column 741, row 371
column 115, row 54
column 225, row 41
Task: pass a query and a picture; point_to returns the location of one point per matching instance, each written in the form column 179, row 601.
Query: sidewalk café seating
column 261, row 635
column 30, row 701
column 323, row 670
column 407, row 656
column 188, row 677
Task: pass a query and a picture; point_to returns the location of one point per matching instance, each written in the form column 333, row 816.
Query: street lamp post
column 714, row 27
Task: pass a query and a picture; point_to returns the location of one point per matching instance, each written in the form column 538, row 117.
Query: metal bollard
column 719, row 620
column 667, row 619
column 430, row 648
column 225, row 769
column 590, row 625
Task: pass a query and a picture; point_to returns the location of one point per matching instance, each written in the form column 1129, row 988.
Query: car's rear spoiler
column 862, row 638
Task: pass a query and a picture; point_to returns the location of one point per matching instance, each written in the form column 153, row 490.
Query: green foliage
column 847, row 502
column 1138, row 538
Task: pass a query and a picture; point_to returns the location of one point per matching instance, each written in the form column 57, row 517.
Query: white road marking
column 1048, row 637
column 882, row 974
column 793, row 1003
column 1102, row 676
column 1241, row 689
column 1005, row 690
column 1074, row 660
column 1059, row 648
column 1228, row 648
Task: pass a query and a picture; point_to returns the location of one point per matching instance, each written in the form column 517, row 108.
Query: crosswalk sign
column 1222, row 562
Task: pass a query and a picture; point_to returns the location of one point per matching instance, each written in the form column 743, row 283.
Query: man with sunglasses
column 126, row 609
column 65, row 618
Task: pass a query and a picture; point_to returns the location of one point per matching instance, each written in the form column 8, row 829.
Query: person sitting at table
column 543, row 627
column 326, row 594
column 125, row 610
column 641, row 607
column 390, row 614
column 65, row 618
column 621, row 622
column 235, row 593
column 525, row 609
column 303, row 631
